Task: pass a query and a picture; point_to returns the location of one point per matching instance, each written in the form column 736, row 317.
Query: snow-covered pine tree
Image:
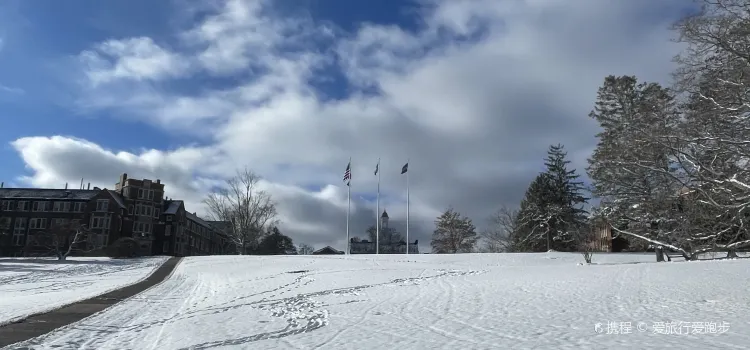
column 531, row 228
column 567, row 200
column 631, row 169
column 453, row 234
column 551, row 212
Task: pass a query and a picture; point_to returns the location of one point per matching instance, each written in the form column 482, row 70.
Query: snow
column 32, row 286
column 472, row 301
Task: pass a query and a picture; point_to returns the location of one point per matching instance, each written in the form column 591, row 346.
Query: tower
column 384, row 220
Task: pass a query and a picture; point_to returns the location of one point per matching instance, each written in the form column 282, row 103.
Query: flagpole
column 407, row 208
column 377, row 213
column 348, row 207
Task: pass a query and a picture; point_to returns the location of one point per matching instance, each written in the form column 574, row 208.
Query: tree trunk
column 732, row 254
column 687, row 256
column 659, row 254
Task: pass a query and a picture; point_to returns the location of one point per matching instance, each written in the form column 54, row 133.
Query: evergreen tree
column 453, row 234
column 531, row 224
column 565, row 202
column 276, row 243
column 631, row 168
column 551, row 213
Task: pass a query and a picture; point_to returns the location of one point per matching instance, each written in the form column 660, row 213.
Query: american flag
column 348, row 173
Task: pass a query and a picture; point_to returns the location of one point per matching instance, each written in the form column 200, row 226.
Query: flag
column 376, row 167
column 405, row 168
column 348, row 173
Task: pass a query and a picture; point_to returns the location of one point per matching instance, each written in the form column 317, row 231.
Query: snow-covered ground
column 32, row 286
column 477, row 301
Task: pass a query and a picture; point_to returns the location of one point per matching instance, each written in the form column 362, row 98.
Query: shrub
column 124, row 247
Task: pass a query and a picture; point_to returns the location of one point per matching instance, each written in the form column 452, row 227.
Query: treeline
column 671, row 165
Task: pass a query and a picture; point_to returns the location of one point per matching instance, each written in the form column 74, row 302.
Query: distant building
column 327, row 251
column 135, row 208
column 367, row 247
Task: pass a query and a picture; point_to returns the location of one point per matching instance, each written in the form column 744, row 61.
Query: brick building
column 135, row 208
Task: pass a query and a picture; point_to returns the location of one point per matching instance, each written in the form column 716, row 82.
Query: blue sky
column 473, row 92
column 37, row 36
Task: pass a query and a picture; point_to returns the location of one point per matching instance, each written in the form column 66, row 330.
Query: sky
column 471, row 93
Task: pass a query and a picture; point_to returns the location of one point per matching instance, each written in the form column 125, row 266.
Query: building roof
column 196, row 219
column 173, row 206
column 328, row 248
column 117, row 198
column 47, row 193
column 385, row 214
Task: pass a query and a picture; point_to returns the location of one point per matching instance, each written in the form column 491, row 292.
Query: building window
column 169, row 217
column 78, row 207
column 150, row 195
column 99, row 222
column 38, row 223
column 166, row 247
column 142, row 227
column 102, row 205
column 40, row 206
column 156, row 212
column 130, row 209
column 57, row 206
column 19, row 230
column 99, row 241
column 126, row 192
column 5, row 205
column 23, row 206
column 140, row 193
column 168, row 230
column 4, row 223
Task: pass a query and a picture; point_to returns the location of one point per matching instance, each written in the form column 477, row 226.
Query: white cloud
column 473, row 98
column 133, row 58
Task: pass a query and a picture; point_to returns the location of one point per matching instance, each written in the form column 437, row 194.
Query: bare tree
column 305, row 249
column 248, row 210
column 453, row 234
column 60, row 240
column 497, row 238
column 587, row 241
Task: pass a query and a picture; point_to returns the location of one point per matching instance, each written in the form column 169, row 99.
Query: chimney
column 89, row 186
column 2, row 184
column 158, row 181
column 80, row 188
column 66, row 185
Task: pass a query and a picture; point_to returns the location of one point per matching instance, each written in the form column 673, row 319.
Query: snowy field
column 31, row 286
column 477, row 301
